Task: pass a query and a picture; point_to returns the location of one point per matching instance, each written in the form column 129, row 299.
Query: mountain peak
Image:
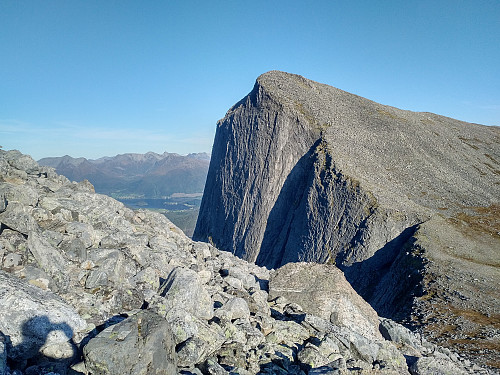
column 304, row 171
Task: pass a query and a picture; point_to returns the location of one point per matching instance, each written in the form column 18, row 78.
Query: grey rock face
column 141, row 344
column 322, row 290
column 302, row 171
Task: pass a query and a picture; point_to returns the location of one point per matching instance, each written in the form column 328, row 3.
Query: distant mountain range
column 170, row 183
column 149, row 175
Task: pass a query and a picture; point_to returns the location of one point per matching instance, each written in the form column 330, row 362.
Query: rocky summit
column 88, row 286
column 406, row 204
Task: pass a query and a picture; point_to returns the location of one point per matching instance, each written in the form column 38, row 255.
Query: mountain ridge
column 129, row 171
column 151, row 180
column 304, row 171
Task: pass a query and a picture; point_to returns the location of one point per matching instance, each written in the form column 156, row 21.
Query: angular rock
column 397, row 333
column 36, row 320
column 183, row 288
column 287, row 332
column 18, row 217
column 117, row 266
column 141, row 344
column 84, row 232
column 211, row 367
column 337, row 367
column 21, row 162
column 435, row 366
column 311, row 357
column 324, row 291
column 192, row 351
column 237, row 308
column 49, row 258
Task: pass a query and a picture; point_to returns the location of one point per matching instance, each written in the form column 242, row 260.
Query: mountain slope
column 88, row 286
column 304, row 171
column 147, row 175
column 167, row 182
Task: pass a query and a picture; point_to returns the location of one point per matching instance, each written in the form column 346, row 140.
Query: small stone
column 311, row 357
column 12, row 260
column 211, row 367
column 96, row 278
column 204, row 276
column 237, row 308
column 191, row 352
column 233, row 282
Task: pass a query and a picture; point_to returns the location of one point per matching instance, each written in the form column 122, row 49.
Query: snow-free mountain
column 89, row 286
column 168, row 182
column 149, row 175
column 406, row 203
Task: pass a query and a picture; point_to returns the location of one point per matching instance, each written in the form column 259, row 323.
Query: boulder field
column 88, row 286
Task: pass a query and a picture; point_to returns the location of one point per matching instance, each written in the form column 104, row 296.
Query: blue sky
column 98, row 78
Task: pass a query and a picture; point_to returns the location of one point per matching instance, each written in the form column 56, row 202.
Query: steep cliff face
column 305, row 171
column 258, row 146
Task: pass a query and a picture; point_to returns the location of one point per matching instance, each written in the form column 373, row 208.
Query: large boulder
column 36, row 321
column 141, row 344
column 322, row 290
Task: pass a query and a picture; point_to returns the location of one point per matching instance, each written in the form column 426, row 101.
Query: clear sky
column 97, row 78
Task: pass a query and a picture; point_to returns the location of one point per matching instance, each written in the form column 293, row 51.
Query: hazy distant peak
column 56, row 161
column 199, row 156
column 131, row 174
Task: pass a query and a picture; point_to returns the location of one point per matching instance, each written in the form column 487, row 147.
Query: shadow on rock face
column 44, row 344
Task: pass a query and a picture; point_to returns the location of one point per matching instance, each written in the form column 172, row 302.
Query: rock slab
column 142, row 344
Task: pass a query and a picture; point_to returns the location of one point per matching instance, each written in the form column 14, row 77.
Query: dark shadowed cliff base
column 405, row 203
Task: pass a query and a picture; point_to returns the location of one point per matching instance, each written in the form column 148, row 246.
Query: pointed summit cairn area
column 406, row 204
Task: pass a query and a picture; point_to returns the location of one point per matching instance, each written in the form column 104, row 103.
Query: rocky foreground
column 88, row 286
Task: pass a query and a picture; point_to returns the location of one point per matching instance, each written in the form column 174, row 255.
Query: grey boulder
column 36, row 321
column 141, row 344
column 183, row 288
column 322, row 290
